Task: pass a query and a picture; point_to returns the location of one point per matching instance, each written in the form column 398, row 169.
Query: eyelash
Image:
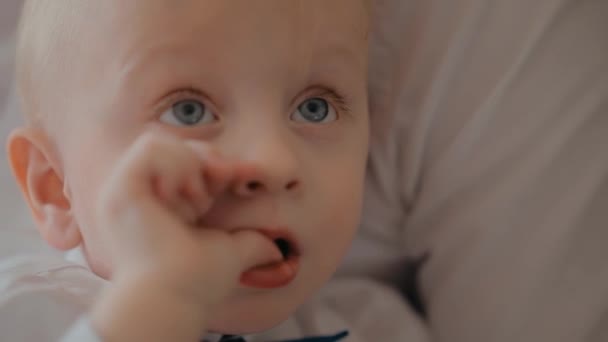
column 333, row 97
column 172, row 98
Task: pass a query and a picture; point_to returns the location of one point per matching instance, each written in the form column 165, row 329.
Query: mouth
column 278, row 274
column 287, row 248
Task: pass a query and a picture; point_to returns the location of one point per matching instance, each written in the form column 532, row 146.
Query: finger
column 255, row 249
column 197, row 195
column 185, row 208
column 152, row 163
column 216, row 170
column 140, row 227
column 182, row 188
column 167, row 164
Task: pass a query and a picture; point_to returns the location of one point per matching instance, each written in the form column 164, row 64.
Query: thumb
column 255, row 249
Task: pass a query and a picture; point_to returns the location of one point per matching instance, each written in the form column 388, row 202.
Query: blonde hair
column 44, row 28
column 46, row 39
column 32, row 50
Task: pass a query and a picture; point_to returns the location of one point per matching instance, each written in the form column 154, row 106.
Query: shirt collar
column 216, row 337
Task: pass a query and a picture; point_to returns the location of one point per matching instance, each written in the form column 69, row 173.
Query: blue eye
column 188, row 113
column 315, row 110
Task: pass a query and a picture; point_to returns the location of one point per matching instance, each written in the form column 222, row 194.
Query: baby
column 206, row 156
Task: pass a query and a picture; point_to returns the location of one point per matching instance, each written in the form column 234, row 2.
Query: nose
column 254, row 180
column 266, row 166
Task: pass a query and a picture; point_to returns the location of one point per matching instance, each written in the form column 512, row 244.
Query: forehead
column 338, row 10
column 112, row 40
column 266, row 33
column 234, row 19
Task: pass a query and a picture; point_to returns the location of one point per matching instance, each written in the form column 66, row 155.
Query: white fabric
column 41, row 297
column 81, row 332
column 46, row 299
column 493, row 161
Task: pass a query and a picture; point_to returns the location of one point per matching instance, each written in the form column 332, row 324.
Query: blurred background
column 16, row 231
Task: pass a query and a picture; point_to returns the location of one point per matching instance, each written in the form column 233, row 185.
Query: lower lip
column 272, row 276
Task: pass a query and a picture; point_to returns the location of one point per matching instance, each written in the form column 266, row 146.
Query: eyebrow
column 135, row 70
column 340, row 60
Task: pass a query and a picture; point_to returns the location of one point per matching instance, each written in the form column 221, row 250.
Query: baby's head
column 279, row 86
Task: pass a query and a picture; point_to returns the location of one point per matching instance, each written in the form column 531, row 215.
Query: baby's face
column 277, row 85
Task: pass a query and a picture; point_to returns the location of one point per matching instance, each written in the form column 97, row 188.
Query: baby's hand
column 148, row 213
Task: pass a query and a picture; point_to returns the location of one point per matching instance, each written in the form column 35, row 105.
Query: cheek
column 339, row 202
column 86, row 171
column 341, row 178
column 344, row 202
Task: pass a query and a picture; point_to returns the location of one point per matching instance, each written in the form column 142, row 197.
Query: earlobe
column 36, row 170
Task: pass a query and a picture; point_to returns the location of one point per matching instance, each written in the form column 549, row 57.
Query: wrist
column 147, row 309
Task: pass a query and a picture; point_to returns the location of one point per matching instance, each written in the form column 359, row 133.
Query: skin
column 114, row 173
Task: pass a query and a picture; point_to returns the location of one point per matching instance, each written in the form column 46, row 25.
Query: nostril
column 291, row 185
column 254, row 186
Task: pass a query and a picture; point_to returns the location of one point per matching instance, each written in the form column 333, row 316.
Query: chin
column 250, row 316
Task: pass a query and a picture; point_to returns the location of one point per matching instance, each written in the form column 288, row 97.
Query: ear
column 35, row 167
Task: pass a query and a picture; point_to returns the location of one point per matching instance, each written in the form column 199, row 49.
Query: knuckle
column 149, row 144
